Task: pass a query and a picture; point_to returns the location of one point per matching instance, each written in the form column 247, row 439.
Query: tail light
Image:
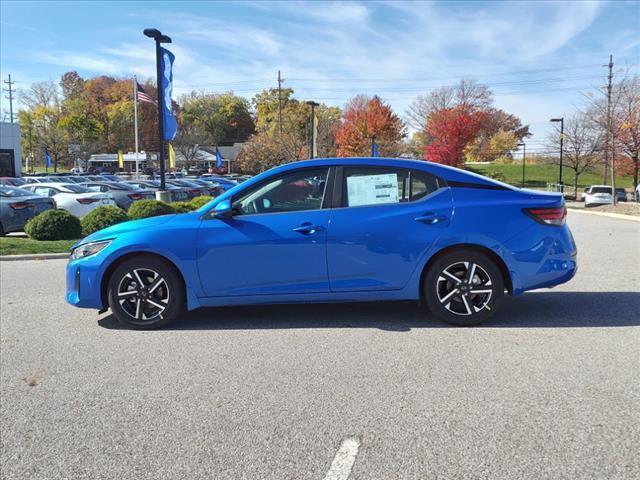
column 548, row 215
column 135, row 196
column 87, row 200
column 21, row 205
column 194, row 192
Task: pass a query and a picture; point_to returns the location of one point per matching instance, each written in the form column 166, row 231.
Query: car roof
column 452, row 174
column 50, row 184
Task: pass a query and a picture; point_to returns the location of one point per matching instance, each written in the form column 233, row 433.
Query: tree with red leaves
column 450, row 131
column 363, row 118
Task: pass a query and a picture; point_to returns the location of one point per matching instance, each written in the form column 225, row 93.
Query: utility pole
column 610, row 144
column 312, row 146
column 280, row 80
column 10, row 91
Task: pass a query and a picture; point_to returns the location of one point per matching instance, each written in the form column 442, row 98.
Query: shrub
column 149, row 208
column 183, row 207
column 54, row 225
column 102, row 217
column 200, row 201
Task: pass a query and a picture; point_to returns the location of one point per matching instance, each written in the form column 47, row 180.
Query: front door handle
column 431, row 218
column 307, row 229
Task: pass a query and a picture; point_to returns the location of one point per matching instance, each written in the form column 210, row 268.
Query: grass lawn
column 539, row 175
column 21, row 246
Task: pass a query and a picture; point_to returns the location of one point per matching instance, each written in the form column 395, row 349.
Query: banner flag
column 169, row 120
column 47, row 158
column 120, row 160
column 218, row 158
column 172, row 158
column 374, row 150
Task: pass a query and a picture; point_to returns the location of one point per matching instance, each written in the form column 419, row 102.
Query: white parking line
column 343, row 461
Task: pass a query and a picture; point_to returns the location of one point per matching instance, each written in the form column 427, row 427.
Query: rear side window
column 382, row 185
column 601, row 190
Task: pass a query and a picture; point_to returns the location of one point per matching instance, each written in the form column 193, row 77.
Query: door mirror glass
column 222, row 209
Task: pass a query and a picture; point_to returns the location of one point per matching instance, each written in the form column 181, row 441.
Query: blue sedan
column 332, row 230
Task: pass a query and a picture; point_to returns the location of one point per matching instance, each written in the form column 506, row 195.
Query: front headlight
column 88, row 249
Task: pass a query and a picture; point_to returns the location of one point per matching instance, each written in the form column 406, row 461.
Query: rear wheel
column 463, row 287
column 146, row 293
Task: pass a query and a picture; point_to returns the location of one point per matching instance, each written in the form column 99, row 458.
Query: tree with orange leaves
column 363, row 118
column 451, row 130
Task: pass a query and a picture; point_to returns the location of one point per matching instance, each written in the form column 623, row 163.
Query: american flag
column 144, row 96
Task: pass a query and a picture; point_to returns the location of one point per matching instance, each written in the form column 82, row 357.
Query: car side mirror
column 223, row 209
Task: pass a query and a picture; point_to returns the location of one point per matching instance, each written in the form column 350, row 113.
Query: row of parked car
column 603, row 195
column 24, row 197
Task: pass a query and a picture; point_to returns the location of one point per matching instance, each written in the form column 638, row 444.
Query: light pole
column 524, row 158
column 561, row 120
column 313, row 138
column 159, row 38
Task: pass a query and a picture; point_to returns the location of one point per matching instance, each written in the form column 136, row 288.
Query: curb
column 619, row 216
column 34, row 256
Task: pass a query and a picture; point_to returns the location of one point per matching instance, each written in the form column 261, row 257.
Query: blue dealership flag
column 374, row 150
column 218, row 158
column 169, row 120
column 47, row 158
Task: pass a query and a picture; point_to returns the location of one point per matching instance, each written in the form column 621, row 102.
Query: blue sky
column 537, row 57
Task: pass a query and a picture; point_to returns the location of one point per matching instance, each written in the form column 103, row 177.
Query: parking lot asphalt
column 549, row 388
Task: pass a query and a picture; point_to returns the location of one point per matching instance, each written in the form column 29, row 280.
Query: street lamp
column 561, row 120
column 524, row 158
column 159, row 39
column 313, row 105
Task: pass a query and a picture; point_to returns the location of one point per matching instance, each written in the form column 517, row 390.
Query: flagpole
column 135, row 120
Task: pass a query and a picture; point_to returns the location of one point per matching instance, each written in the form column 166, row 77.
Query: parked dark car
column 193, row 189
column 123, row 193
column 12, row 181
column 223, row 182
column 178, row 194
column 18, row 206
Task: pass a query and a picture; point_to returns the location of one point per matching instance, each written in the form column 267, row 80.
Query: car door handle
column 431, row 218
column 308, row 229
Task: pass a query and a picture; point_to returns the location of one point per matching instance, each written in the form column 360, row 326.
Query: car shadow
column 532, row 310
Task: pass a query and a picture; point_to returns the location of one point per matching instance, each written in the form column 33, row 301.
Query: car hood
column 125, row 227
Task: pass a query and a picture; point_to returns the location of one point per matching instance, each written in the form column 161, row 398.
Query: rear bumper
column 542, row 257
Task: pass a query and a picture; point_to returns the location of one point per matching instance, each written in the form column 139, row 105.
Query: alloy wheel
column 464, row 288
column 143, row 294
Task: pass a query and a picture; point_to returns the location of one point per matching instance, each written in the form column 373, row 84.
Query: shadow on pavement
column 531, row 310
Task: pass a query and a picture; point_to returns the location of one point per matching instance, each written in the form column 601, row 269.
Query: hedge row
column 61, row 225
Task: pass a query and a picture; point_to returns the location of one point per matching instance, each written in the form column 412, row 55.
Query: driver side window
column 303, row 190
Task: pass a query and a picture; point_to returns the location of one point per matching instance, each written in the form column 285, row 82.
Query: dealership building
column 10, row 150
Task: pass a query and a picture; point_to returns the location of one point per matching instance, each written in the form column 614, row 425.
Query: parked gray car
column 123, row 193
column 17, row 206
column 178, row 194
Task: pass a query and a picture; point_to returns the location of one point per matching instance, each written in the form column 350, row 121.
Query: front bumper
column 83, row 284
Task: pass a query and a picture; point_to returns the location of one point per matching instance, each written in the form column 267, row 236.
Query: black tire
column 1, row 231
column 140, row 307
column 463, row 302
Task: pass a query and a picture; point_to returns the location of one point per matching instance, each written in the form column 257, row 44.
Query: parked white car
column 72, row 197
column 598, row 195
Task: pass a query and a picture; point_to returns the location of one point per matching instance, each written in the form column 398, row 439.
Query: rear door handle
column 431, row 218
column 308, row 229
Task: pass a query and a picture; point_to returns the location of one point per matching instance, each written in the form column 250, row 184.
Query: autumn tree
column 365, row 117
column 498, row 136
column 627, row 116
column 450, row 131
column 265, row 150
column 466, row 93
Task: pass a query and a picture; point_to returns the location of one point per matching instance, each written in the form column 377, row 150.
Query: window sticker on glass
column 372, row 189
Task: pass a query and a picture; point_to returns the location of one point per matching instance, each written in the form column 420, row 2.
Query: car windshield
column 601, row 190
column 74, row 188
column 14, row 192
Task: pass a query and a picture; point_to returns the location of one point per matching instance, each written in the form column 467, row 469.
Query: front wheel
column 145, row 293
column 463, row 288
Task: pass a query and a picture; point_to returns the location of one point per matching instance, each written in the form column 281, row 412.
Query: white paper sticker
column 372, row 189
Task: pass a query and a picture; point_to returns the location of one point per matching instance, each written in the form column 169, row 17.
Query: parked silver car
column 124, row 194
column 178, row 194
column 18, row 206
